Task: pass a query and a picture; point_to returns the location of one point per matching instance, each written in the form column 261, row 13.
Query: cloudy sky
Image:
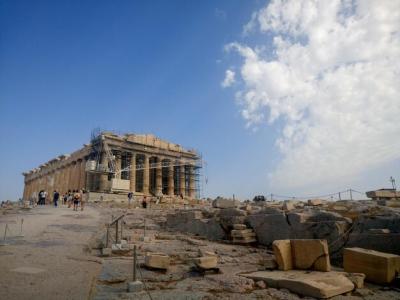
column 285, row 97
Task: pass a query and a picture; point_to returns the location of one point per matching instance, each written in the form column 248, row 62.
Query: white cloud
column 334, row 82
column 229, row 79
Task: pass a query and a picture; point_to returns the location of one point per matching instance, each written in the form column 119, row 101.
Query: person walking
column 77, row 197
column 144, row 202
column 130, row 196
column 69, row 198
column 56, row 196
column 41, row 197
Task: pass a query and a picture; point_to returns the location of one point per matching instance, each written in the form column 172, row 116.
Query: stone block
column 269, row 263
column 283, row 254
column 312, row 284
column 206, row 262
column 243, row 233
column 157, row 260
column 315, row 202
column 288, row 205
column 135, row 286
column 379, row 267
column 310, row 254
column 225, row 203
column 239, row 226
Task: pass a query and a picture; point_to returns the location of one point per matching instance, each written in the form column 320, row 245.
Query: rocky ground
column 61, row 255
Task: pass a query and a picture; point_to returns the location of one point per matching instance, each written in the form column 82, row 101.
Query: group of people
column 71, row 198
column 75, row 198
column 130, row 197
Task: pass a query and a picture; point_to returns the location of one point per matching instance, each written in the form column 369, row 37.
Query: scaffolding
column 102, row 162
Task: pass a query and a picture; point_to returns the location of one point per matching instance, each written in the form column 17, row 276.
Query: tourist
column 77, row 197
column 82, row 199
column 130, row 196
column 144, row 202
column 56, row 196
column 41, row 197
column 69, row 198
column 65, row 198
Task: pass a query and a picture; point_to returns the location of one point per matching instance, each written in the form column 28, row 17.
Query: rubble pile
column 278, row 250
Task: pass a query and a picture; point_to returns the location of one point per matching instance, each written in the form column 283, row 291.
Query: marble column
column 82, row 182
column 118, row 162
column 103, row 176
column 146, row 175
column 78, row 169
column 192, row 183
column 132, row 173
column 159, row 177
column 171, row 178
column 182, row 185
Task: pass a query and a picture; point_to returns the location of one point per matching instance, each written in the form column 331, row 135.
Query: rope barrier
column 337, row 194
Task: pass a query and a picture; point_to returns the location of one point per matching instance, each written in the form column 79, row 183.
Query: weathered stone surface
column 356, row 278
column 283, row 254
column 225, row 203
column 206, row 262
column 157, row 260
column 300, row 225
column 269, row 263
column 365, row 233
column 310, row 254
column 378, row 267
column 239, row 226
column 241, row 233
column 315, row 202
column 209, row 228
column 230, row 212
column 270, row 227
column 288, row 205
column 312, row 284
column 135, row 286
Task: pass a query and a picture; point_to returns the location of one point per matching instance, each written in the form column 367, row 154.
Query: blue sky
column 67, row 67
column 132, row 66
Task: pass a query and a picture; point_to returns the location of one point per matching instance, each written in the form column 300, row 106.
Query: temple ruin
column 113, row 164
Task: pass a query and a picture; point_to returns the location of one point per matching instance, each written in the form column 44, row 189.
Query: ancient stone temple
column 116, row 164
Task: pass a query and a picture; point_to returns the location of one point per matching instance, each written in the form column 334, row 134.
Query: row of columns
column 66, row 177
column 158, row 176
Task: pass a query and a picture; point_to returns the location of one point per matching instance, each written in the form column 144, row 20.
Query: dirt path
column 49, row 262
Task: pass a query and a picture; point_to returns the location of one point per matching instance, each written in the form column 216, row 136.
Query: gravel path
column 49, row 261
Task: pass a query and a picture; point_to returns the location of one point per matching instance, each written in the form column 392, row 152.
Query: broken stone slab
column 157, row 260
column 315, row 202
column 243, row 233
column 244, row 240
column 206, row 262
column 135, row 286
column 231, row 212
column 225, row 203
column 268, row 263
column 310, row 254
column 283, row 254
column 379, row 267
column 305, row 283
column 356, row 278
column 110, row 275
